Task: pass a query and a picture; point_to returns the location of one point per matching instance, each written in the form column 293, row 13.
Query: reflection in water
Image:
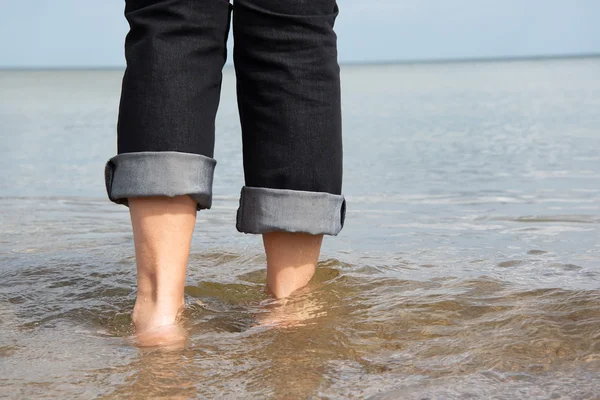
column 159, row 373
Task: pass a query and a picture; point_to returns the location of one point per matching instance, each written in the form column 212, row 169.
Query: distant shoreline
column 357, row 63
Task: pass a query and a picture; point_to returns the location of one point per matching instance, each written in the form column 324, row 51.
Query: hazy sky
column 41, row 33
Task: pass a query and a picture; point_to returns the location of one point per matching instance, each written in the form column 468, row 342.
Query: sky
column 90, row 33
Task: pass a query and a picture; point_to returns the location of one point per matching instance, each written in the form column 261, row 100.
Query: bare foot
column 293, row 311
column 154, row 328
column 169, row 337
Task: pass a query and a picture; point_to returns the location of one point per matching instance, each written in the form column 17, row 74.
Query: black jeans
column 288, row 89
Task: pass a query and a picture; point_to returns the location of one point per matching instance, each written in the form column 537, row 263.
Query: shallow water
column 468, row 266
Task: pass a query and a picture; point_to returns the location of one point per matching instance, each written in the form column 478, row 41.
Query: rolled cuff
column 264, row 210
column 160, row 173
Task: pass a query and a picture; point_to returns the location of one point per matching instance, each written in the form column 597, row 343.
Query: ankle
column 152, row 311
column 158, row 293
column 282, row 283
column 291, row 261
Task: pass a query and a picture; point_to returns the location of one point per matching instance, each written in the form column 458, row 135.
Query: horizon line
column 456, row 60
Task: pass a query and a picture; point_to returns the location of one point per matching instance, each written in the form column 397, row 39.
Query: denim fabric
column 160, row 173
column 288, row 88
column 289, row 94
column 262, row 210
column 175, row 51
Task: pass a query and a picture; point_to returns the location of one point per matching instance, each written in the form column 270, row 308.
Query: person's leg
column 175, row 52
column 289, row 101
column 162, row 232
column 291, row 260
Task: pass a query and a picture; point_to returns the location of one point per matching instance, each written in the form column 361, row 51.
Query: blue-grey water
column 469, row 266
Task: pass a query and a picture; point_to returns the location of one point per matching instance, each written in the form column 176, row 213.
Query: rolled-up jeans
column 288, row 91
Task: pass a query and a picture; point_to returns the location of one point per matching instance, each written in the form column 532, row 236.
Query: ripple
column 467, row 268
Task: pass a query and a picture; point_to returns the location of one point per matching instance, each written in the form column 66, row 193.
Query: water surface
column 468, row 266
